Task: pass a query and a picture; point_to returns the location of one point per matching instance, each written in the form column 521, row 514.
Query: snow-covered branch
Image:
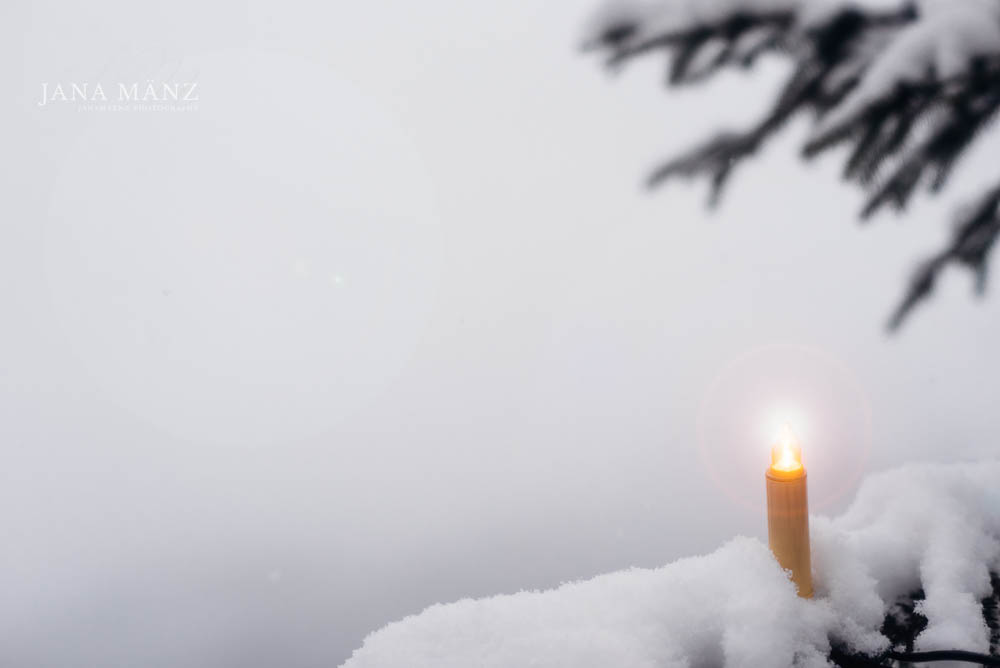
column 907, row 85
column 907, row 567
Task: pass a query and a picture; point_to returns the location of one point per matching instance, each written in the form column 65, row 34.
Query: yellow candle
column 788, row 511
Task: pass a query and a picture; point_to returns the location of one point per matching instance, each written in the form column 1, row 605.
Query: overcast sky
column 386, row 320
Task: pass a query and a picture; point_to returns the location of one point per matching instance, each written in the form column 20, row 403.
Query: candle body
column 788, row 526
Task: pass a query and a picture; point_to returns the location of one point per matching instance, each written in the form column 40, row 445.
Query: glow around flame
column 786, row 455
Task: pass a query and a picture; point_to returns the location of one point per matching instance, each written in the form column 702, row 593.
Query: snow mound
column 935, row 527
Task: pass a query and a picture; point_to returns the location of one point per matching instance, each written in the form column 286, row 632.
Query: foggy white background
column 387, row 321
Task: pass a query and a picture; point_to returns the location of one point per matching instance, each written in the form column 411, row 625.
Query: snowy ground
column 920, row 526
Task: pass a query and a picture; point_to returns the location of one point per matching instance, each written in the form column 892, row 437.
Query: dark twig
column 972, row 240
column 846, row 660
column 945, row 655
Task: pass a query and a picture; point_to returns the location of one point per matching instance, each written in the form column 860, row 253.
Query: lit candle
column 788, row 511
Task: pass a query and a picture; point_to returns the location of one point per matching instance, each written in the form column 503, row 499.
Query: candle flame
column 786, row 455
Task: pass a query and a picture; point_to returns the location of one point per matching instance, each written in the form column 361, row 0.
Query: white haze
column 386, row 321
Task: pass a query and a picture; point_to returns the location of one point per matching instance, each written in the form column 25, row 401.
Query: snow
column 750, row 41
column 706, row 58
column 930, row 526
column 939, row 527
column 814, row 13
column 941, row 43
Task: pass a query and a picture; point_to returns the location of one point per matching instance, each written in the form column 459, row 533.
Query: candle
column 788, row 511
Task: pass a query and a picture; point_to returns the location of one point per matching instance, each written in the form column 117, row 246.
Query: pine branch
column 719, row 157
column 821, row 53
column 962, row 107
column 854, row 70
column 878, row 132
column 972, row 240
column 746, row 36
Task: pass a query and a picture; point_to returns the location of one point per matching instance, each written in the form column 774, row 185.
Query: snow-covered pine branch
column 912, row 565
column 908, row 86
